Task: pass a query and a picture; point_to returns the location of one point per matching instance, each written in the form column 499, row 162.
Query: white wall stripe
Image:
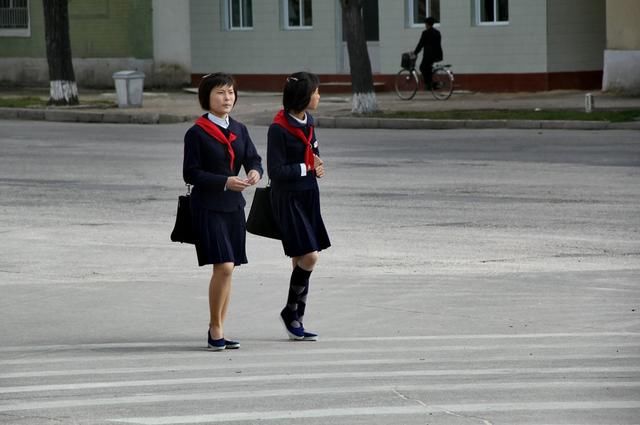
column 296, row 348
column 308, row 364
column 298, row 392
column 316, row 376
column 380, row 410
column 329, row 339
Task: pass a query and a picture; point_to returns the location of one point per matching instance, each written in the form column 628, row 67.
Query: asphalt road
column 475, row 277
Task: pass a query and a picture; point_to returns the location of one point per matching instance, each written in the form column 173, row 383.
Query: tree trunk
column 364, row 96
column 62, row 81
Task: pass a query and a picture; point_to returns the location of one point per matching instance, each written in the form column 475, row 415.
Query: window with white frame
column 14, row 18
column 239, row 14
column 492, row 12
column 420, row 9
column 298, row 13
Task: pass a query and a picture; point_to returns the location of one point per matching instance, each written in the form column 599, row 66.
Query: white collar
column 303, row 121
column 224, row 123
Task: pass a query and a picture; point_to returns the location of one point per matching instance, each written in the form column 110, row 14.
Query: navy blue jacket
column 206, row 166
column 285, row 153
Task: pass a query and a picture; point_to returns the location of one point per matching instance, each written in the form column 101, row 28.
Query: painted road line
column 297, row 348
column 16, row 405
column 309, row 364
column 58, row 347
column 316, row 376
column 380, row 410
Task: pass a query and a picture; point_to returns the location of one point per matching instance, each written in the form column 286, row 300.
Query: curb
column 427, row 124
column 106, row 117
column 131, row 117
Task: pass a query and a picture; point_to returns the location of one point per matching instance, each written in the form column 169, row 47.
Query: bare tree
column 364, row 96
column 62, row 80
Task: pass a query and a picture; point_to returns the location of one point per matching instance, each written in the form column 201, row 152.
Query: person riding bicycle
column 430, row 41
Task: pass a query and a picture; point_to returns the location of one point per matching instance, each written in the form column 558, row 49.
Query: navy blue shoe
column 231, row 345
column 216, row 344
column 296, row 334
column 310, row 336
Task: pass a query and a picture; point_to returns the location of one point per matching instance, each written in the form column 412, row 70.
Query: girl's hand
column 253, row 177
column 318, row 166
column 236, row 184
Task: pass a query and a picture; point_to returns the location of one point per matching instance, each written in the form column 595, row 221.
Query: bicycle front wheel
column 442, row 83
column 406, row 84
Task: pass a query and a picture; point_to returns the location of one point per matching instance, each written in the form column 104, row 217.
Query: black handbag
column 183, row 229
column 261, row 221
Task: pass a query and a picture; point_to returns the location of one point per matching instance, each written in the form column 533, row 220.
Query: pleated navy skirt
column 221, row 236
column 300, row 221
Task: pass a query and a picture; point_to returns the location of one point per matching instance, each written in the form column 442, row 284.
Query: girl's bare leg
column 307, row 261
column 219, row 295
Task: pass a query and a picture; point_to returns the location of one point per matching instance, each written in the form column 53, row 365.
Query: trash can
column 129, row 88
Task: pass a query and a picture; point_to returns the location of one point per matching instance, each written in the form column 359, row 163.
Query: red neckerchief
column 212, row 130
column 282, row 121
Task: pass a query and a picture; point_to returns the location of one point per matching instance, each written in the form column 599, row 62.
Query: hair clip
column 290, row 79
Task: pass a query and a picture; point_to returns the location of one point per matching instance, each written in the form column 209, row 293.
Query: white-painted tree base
column 63, row 92
column 364, row 103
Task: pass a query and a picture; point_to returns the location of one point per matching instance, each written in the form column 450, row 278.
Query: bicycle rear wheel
column 406, row 84
column 442, row 83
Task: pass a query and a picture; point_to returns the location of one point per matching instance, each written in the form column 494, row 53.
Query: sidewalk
column 258, row 108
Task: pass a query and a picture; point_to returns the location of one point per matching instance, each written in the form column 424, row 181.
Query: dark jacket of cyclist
column 430, row 41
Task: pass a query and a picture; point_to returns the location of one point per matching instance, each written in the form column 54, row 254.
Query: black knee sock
column 302, row 297
column 298, row 290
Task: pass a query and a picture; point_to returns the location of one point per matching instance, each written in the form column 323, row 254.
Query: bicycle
column 408, row 80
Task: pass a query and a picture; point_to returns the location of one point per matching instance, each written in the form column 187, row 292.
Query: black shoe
column 215, row 344
column 310, row 336
column 221, row 344
column 231, row 345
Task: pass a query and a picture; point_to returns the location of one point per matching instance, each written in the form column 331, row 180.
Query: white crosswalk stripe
column 285, row 364
column 313, row 391
column 380, row 410
column 577, row 377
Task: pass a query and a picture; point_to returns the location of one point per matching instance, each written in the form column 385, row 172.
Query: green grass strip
column 22, row 102
column 40, row 102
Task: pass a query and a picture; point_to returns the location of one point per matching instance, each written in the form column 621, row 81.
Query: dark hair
column 298, row 90
column 211, row 81
column 430, row 21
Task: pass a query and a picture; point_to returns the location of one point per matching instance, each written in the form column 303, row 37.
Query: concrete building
column 503, row 45
column 493, row 45
column 106, row 36
column 622, row 56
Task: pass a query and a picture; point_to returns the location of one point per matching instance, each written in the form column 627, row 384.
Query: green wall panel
column 99, row 29
column 27, row 47
column 111, row 28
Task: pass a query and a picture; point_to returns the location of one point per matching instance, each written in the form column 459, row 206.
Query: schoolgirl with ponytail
column 294, row 167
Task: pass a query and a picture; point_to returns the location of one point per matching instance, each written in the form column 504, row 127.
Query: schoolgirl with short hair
column 216, row 147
